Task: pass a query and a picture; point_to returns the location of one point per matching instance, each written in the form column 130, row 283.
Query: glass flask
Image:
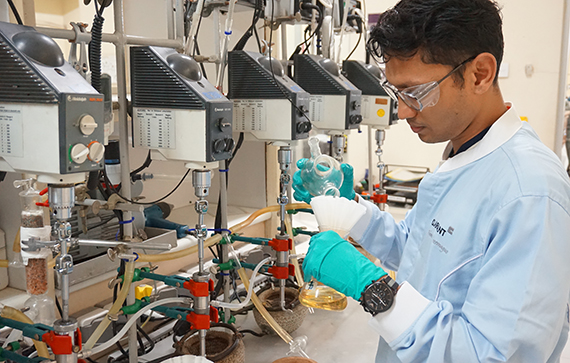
column 321, row 174
column 314, row 294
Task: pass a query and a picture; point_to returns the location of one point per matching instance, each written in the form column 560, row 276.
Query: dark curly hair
column 442, row 31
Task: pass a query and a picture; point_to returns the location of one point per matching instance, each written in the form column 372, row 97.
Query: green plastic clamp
column 14, row 346
column 132, row 309
column 136, row 275
column 232, row 319
column 226, row 240
column 222, row 315
column 226, row 266
column 302, row 210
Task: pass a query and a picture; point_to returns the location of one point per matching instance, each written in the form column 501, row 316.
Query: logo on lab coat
column 438, row 228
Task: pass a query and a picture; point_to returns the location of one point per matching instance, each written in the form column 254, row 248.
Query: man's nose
column 405, row 111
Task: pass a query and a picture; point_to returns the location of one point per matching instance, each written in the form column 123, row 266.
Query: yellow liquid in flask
column 316, row 295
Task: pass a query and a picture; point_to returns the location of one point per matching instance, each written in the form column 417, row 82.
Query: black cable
column 148, row 339
column 95, row 48
column 162, row 359
column 218, row 217
column 141, row 349
column 310, row 6
column 252, row 30
column 120, row 272
column 15, row 12
column 254, row 333
column 356, row 46
column 145, row 165
column 197, row 48
column 146, row 203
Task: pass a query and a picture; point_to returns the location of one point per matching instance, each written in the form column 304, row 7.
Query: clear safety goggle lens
column 421, row 96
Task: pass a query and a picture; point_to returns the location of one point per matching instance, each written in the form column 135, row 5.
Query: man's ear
column 482, row 72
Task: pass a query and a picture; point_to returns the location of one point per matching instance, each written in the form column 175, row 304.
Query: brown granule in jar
column 36, row 276
column 32, row 221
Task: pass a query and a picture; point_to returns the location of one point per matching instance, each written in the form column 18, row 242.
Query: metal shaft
column 284, row 158
column 65, row 297
column 380, row 136
column 202, row 342
column 201, row 181
column 225, row 248
column 338, row 142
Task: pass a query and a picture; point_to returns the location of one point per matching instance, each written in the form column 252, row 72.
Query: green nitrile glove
column 346, row 189
column 336, row 263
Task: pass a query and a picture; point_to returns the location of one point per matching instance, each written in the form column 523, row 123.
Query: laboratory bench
column 333, row 336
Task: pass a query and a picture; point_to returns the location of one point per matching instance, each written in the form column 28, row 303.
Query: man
column 483, row 258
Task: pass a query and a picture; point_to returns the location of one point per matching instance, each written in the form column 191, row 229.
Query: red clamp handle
column 46, row 203
column 78, row 338
column 59, row 344
column 379, row 198
column 197, row 289
column 281, row 245
column 214, row 316
column 282, row 273
column 199, row 321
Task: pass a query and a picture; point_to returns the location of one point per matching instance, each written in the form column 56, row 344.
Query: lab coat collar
column 501, row 131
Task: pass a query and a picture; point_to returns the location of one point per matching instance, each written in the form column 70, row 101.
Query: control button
column 87, row 124
column 219, row 146
column 381, row 113
column 230, row 143
column 223, row 124
column 78, row 153
column 355, row 119
column 304, row 127
column 355, row 105
column 96, row 151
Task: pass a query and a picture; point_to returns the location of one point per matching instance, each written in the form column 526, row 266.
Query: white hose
column 130, row 322
column 240, row 305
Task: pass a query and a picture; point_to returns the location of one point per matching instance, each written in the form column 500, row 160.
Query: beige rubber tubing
column 3, row 263
column 15, row 314
column 217, row 238
column 259, row 305
column 129, row 273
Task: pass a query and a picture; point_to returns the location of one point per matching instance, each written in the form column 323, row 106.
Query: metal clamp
column 82, row 37
column 201, row 206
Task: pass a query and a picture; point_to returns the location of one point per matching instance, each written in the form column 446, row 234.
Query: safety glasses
column 420, row 96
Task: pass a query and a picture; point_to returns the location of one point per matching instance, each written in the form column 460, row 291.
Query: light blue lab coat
column 488, row 246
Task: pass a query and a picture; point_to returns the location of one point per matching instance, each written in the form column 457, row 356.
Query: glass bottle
column 321, row 174
column 41, row 305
